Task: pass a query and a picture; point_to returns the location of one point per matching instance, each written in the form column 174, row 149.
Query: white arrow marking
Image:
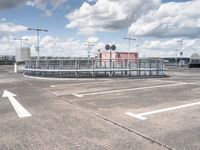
column 20, row 110
column 141, row 115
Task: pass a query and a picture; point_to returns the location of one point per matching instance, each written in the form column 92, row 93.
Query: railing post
column 157, row 67
column 150, row 72
column 139, row 66
column 126, row 67
column 76, row 67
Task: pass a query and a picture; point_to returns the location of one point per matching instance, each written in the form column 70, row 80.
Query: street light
column 181, row 50
column 38, row 30
column 89, row 44
column 129, row 43
column 137, row 46
column 21, row 40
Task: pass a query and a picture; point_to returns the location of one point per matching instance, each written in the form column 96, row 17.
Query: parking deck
column 126, row 113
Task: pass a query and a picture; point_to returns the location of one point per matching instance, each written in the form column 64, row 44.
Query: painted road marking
column 110, row 81
column 126, row 90
column 141, row 115
column 65, row 85
column 20, row 110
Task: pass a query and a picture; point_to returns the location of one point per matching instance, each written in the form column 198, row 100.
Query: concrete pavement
column 98, row 119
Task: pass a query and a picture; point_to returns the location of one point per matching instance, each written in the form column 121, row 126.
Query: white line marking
column 108, row 81
column 77, row 95
column 65, row 85
column 20, row 110
column 126, row 90
column 135, row 115
column 141, row 115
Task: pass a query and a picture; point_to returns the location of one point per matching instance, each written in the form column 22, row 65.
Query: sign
column 107, row 47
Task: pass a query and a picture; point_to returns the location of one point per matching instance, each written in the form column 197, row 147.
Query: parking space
column 169, row 108
column 102, row 114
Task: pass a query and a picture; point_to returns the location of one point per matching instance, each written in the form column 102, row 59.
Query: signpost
column 108, row 47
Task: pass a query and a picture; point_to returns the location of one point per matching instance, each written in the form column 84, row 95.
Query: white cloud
column 47, row 6
column 93, row 39
column 108, row 15
column 8, row 28
column 170, row 20
column 7, row 46
column 54, row 46
column 168, row 47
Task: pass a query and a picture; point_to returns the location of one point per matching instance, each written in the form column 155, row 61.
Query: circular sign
column 113, row 47
column 107, row 47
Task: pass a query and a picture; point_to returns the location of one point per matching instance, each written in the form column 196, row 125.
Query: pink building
column 116, row 56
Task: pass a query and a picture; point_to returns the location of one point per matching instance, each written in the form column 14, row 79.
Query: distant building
column 175, row 61
column 117, row 55
column 194, row 61
column 117, row 58
column 7, row 59
column 23, row 54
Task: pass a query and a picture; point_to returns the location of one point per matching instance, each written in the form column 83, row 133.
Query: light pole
column 21, row 41
column 38, row 30
column 89, row 44
column 137, row 46
column 129, row 43
column 181, row 50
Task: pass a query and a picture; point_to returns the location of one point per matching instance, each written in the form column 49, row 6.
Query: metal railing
column 94, row 67
column 7, row 60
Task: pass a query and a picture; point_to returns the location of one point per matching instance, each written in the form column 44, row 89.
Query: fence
column 7, row 60
column 94, row 67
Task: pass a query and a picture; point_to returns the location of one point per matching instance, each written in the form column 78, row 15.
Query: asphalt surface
column 92, row 114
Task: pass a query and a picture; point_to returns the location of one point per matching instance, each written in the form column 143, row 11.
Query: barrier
column 86, row 68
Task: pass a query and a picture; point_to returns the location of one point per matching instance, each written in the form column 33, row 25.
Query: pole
column 181, row 52
column 129, row 47
column 88, row 45
column 129, row 43
column 38, row 37
column 110, row 59
column 21, row 43
column 38, row 42
column 137, row 46
column 181, row 48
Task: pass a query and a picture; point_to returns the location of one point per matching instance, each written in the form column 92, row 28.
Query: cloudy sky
column 156, row 25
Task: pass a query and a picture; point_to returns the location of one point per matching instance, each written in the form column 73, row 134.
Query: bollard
column 15, row 67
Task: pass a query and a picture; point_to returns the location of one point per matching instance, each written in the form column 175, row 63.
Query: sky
column 157, row 25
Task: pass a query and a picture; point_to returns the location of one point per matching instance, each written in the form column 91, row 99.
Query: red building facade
column 132, row 56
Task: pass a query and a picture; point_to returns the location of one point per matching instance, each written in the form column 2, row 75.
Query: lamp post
column 21, row 41
column 137, row 46
column 181, row 50
column 89, row 44
column 129, row 43
column 38, row 30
